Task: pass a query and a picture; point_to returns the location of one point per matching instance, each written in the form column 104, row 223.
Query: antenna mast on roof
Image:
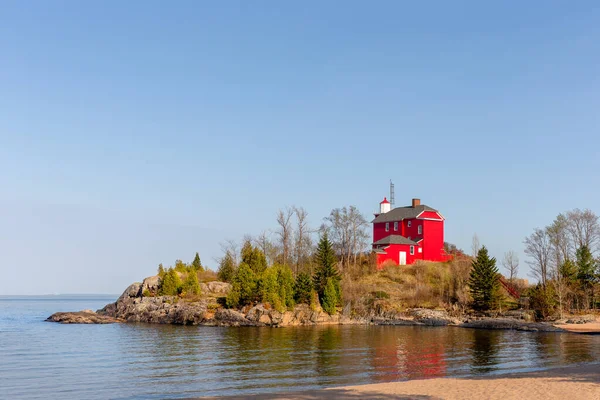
column 392, row 199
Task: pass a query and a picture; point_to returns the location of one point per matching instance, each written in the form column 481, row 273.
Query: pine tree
column 170, row 284
column 330, row 297
column 191, row 285
column 484, row 281
column 586, row 271
column 161, row 270
column 226, row 270
column 586, row 265
column 196, row 264
column 303, row 288
column 254, row 257
column 326, row 267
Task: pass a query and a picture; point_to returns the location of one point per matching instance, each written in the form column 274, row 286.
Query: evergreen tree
column 180, row 266
column 161, row 270
column 191, row 285
column 330, row 297
column 484, row 281
column 245, row 280
column 196, row 264
column 586, row 266
column 170, row 284
column 226, row 270
column 285, row 283
column 254, row 257
column 269, row 288
column 586, row 271
column 303, row 288
column 568, row 271
column 326, row 267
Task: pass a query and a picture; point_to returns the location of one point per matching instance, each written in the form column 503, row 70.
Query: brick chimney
column 416, row 202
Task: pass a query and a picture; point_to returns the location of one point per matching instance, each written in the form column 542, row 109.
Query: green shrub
column 233, row 297
column 146, row 293
column 191, row 285
column 170, row 284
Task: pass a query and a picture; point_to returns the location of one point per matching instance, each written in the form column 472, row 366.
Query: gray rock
column 151, row 284
column 232, row 318
column 81, row 317
column 217, row 288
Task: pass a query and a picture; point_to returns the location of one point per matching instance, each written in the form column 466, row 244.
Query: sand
column 590, row 327
column 576, row 382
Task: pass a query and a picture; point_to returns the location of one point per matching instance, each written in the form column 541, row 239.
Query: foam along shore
column 573, row 382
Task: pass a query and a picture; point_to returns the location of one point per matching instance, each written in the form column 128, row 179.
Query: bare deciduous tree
column 511, row 264
column 264, row 243
column 558, row 234
column 230, row 247
column 475, row 245
column 284, row 220
column 538, row 248
column 347, row 230
column 302, row 239
column 584, row 228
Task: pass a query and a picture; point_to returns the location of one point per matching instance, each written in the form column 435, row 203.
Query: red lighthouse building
column 406, row 234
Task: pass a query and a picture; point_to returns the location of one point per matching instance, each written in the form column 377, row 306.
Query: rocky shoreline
column 134, row 307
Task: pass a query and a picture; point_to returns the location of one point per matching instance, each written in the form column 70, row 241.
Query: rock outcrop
column 82, row 317
column 139, row 303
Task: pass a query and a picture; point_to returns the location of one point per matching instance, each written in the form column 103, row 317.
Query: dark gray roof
column 394, row 239
column 400, row 213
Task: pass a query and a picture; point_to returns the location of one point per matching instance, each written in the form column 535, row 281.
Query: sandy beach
column 591, row 327
column 574, row 382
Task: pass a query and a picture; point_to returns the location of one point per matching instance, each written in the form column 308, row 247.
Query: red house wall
column 433, row 246
column 413, row 231
column 393, row 253
column 379, row 230
column 429, row 214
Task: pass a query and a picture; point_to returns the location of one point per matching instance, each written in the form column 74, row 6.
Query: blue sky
column 134, row 133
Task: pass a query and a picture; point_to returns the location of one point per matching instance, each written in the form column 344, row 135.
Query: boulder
column 134, row 290
column 432, row 317
column 151, row 284
column 215, row 287
column 232, row 318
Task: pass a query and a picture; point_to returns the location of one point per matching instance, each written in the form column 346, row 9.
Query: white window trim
column 409, row 223
column 387, row 226
column 420, row 250
column 396, row 226
column 420, row 229
column 412, row 250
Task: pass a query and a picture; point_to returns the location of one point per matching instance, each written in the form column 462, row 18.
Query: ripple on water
column 44, row 360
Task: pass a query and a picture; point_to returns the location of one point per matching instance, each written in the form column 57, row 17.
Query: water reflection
column 484, row 351
column 175, row 361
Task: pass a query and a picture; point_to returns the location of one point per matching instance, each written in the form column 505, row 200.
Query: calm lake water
column 52, row 361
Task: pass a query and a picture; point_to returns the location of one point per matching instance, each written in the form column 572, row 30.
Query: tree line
column 564, row 258
column 254, row 280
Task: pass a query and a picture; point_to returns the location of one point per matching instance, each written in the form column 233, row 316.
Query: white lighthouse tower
column 384, row 206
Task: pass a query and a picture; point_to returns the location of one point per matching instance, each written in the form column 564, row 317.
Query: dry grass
column 207, row 276
column 423, row 284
